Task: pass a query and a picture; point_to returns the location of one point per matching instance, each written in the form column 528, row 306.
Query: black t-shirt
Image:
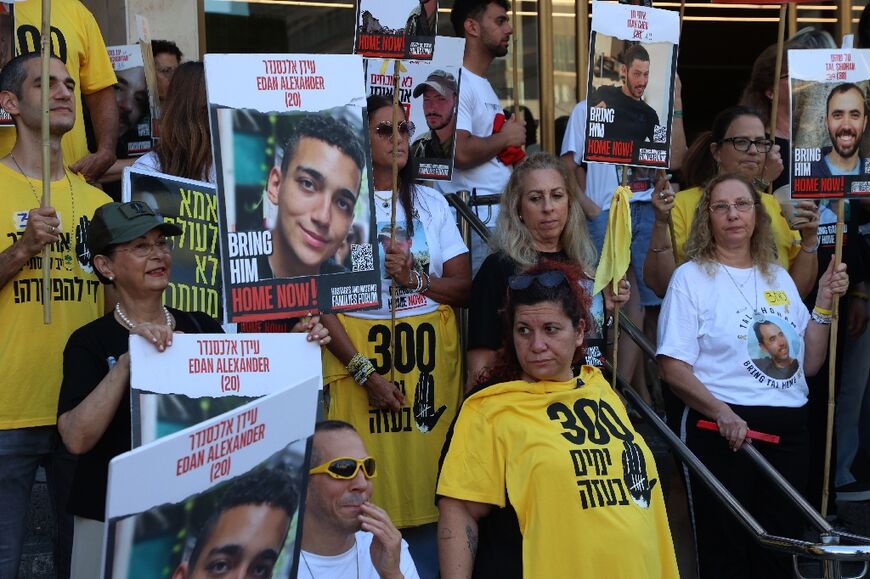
column 634, row 120
column 90, row 353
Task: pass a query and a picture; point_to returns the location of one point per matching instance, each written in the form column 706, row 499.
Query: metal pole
column 545, row 76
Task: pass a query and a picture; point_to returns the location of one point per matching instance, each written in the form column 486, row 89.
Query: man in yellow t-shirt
column 76, row 40
column 31, row 352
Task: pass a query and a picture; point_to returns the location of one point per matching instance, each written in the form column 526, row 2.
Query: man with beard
column 487, row 145
column 344, row 534
column 439, row 105
column 845, row 120
column 633, row 119
column 778, row 364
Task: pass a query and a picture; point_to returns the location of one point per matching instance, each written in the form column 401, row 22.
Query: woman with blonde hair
column 736, row 344
column 540, row 217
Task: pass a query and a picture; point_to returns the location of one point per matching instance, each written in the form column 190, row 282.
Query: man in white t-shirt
column 344, row 534
column 487, row 145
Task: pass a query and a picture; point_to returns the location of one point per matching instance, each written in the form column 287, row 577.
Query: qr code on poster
column 361, row 257
column 660, row 134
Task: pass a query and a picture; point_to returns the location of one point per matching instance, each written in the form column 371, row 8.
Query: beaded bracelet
column 820, row 319
column 360, row 368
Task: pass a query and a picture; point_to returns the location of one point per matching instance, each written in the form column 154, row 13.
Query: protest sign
column 170, row 501
column 631, row 85
column 7, row 49
column 134, row 104
column 396, row 29
column 429, row 93
column 294, row 184
column 828, row 94
column 195, row 282
column 203, row 375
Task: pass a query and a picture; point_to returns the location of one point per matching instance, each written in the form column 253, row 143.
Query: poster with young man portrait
column 828, row 92
column 429, row 96
column 219, row 497
column 134, row 105
column 630, row 99
column 291, row 149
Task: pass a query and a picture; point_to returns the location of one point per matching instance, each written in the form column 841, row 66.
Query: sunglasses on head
column 345, row 467
column 385, row 129
column 547, row 279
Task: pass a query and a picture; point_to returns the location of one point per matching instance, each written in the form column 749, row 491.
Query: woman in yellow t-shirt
column 738, row 144
column 558, row 447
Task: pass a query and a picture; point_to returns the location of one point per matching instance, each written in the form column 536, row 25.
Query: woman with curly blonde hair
column 736, row 344
column 539, row 217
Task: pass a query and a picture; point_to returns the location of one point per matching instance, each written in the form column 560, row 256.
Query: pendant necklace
column 67, row 259
column 755, row 314
column 385, row 202
column 310, row 572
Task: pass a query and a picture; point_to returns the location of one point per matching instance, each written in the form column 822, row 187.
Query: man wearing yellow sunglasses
column 344, row 534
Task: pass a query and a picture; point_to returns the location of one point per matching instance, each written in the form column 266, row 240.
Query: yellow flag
column 616, row 253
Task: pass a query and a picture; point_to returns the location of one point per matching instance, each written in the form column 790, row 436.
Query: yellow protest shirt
column 407, row 443
column 683, row 214
column 31, row 353
column 77, row 41
column 582, row 480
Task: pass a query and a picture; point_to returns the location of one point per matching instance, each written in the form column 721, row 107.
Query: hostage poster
column 204, row 375
column 402, row 29
column 195, row 283
column 632, row 65
column 828, row 93
column 294, row 184
column 134, row 104
column 172, row 503
column 429, row 94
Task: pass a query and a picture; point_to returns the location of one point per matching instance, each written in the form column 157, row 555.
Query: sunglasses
column 345, row 468
column 547, row 279
column 385, row 129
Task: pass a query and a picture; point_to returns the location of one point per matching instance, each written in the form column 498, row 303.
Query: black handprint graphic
column 81, row 247
column 635, row 477
column 424, row 403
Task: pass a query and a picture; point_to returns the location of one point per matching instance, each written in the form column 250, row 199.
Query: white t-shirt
column 602, row 179
column 479, row 108
column 355, row 562
column 150, row 162
column 708, row 323
column 436, row 240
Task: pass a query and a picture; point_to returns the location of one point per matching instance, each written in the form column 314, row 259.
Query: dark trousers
column 725, row 548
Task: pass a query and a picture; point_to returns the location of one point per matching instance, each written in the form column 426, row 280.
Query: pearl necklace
column 166, row 315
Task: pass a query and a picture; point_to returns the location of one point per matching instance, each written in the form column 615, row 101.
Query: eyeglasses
column 742, row 144
column 385, row 129
column 722, row 208
column 547, row 279
column 345, row 467
column 144, row 248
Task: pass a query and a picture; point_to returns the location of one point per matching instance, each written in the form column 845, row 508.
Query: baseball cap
column 386, row 232
column 440, row 80
column 115, row 223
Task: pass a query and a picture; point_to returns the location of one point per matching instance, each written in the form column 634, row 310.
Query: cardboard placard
column 396, row 29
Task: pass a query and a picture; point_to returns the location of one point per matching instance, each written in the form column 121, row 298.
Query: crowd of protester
column 542, row 471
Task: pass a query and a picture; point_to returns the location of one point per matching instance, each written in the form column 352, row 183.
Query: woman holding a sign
column 736, row 344
column 404, row 423
column 131, row 249
column 557, row 446
column 739, row 144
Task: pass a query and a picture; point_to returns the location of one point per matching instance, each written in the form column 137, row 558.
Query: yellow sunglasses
column 345, row 467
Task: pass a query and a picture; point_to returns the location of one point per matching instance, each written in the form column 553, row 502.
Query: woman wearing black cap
column 131, row 249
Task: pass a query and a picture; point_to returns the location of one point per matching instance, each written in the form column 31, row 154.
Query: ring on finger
column 661, row 194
